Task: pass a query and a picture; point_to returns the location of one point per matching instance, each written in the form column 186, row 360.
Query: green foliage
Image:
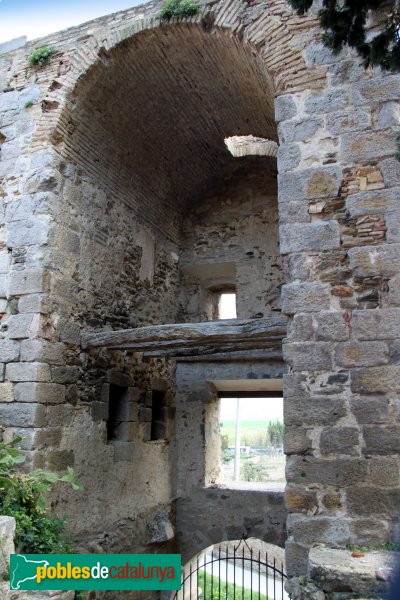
column 344, row 23
column 251, row 471
column 388, row 546
column 22, row 496
column 40, row 56
column 275, row 433
column 213, row 588
column 179, row 9
column 29, row 103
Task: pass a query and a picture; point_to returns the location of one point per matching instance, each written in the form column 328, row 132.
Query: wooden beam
column 183, row 339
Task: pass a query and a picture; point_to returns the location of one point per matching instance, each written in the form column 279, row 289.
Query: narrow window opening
column 227, row 305
column 158, row 420
column 252, row 440
column 117, row 400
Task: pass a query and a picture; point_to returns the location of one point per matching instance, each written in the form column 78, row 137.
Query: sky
column 37, row 18
column 252, row 409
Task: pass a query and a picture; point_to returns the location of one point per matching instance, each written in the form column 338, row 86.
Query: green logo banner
column 95, row 571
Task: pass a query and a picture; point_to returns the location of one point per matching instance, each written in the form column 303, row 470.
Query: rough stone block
column 60, row 460
column 28, row 372
column 317, row 54
column 22, row 415
column 367, row 145
column 289, row 157
column 128, row 411
column 300, row 500
column 300, row 329
column 373, row 501
column 370, row 261
column 4, row 261
column 331, row 327
column 34, row 303
column 99, row 411
column 296, row 440
column 65, row 374
column 50, row 437
column 39, row 350
column 117, row 378
column 305, row 470
column 123, row 451
column 22, row 326
column 361, row 354
column 330, row 101
column 285, row 108
column 6, row 392
column 145, row 415
column 31, row 232
column 376, row 324
column 375, row 202
column 388, row 115
column 319, row 530
column 375, row 379
column 351, row 120
column 294, row 212
column 316, row 236
column 381, row 439
column 391, row 172
column 376, row 90
column 370, row 409
column 9, row 351
column 28, row 281
column 159, row 529
column 308, row 356
column 339, row 440
column 295, row 385
column 305, row 297
column 385, row 471
column 395, row 352
column 125, row 432
column 309, row 184
column 71, row 334
column 313, row 411
column 61, row 414
column 301, row 130
column 370, row 532
column 7, row 530
column 46, row 393
column 296, row 558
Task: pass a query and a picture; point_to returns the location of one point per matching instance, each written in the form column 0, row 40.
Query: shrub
column 29, row 103
column 179, row 9
column 40, row 56
column 22, row 496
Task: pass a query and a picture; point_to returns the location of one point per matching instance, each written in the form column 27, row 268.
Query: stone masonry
column 121, row 207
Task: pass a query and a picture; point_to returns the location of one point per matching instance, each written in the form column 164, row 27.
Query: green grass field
column 214, row 589
column 253, row 433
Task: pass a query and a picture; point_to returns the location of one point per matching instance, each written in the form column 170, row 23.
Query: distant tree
column 344, row 23
column 275, row 433
column 251, row 471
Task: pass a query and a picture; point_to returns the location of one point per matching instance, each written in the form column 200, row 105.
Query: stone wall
column 102, row 175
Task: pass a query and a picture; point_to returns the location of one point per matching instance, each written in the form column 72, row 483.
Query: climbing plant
column 179, row 9
column 22, row 496
column 40, row 56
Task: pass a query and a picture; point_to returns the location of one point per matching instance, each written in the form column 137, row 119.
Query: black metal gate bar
column 274, row 576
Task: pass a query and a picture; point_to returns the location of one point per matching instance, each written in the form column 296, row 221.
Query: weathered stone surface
column 34, row 303
column 123, row 451
column 7, row 529
column 159, row 529
column 373, row 325
column 28, row 281
column 331, row 326
column 6, row 392
column 377, row 90
column 296, row 440
column 9, row 350
column 318, row 54
column 375, row 379
column 294, row 212
column 370, row 261
column 300, row 329
column 385, row 471
column 21, row 326
column 373, row 501
column 60, row 460
column 39, row 350
column 323, row 182
column 65, row 374
column 305, row 297
column 300, row 130
column 300, row 500
column 285, row 108
column 391, row 172
column 361, row 354
column 339, row 472
column 339, row 440
column 388, row 115
column 381, row 439
column 289, row 157
column 373, row 202
column 314, row 411
column 296, row 557
column 352, row 120
column 322, row 530
column 316, row 236
column 47, row 393
column 370, row 409
column 311, row 356
column 22, row 415
column 332, row 100
column 367, row 145
column 28, row 372
column 34, row 231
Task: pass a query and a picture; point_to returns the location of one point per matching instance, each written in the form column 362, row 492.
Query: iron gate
column 237, row 573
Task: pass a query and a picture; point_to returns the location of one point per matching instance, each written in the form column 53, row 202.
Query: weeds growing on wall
column 40, row 56
column 179, row 9
column 22, row 496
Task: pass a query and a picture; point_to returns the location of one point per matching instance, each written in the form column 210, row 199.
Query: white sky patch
column 252, row 409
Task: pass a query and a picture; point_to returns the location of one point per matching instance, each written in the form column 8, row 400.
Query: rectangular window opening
column 158, row 420
column 227, row 305
column 252, row 430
